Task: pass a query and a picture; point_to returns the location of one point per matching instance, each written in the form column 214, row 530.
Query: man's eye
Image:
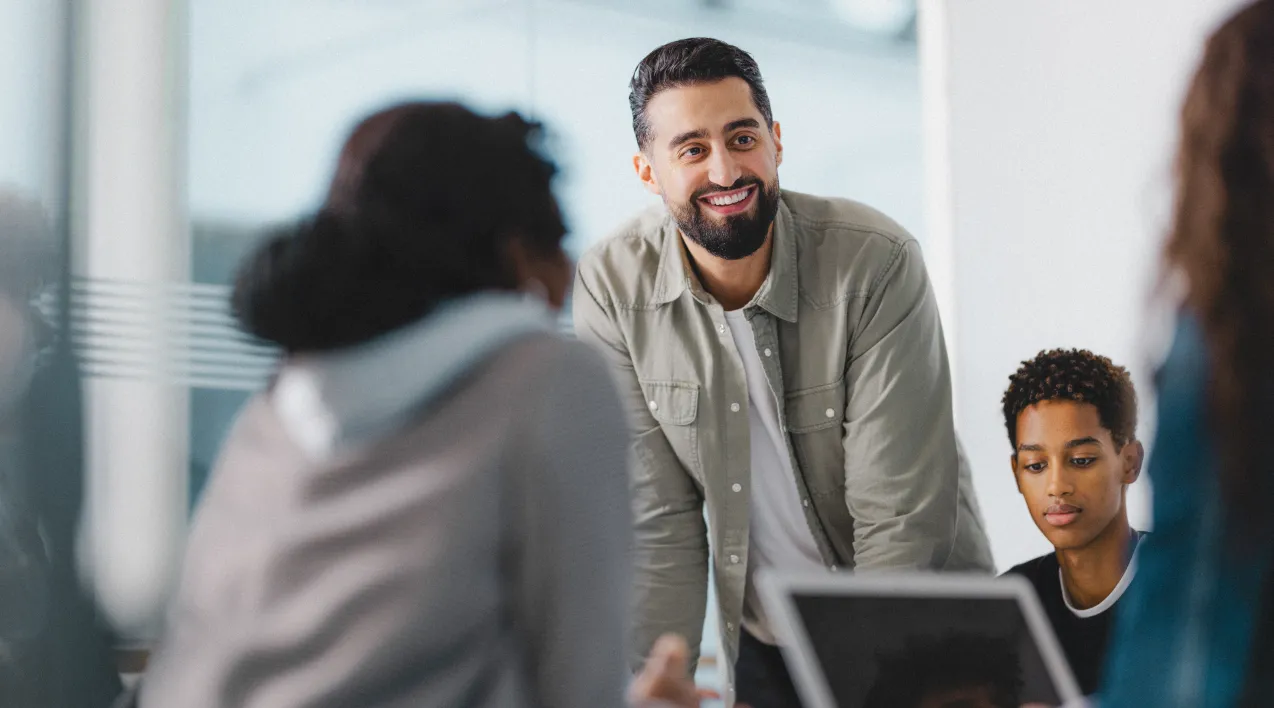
column 745, row 140
column 1035, row 467
column 693, row 152
column 1083, row 461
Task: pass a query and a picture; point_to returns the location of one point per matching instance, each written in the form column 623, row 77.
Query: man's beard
column 737, row 236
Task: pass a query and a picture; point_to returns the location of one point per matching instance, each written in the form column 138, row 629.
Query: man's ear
column 1134, row 455
column 646, row 173
column 777, row 131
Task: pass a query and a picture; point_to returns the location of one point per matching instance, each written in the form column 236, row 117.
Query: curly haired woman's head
column 429, row 202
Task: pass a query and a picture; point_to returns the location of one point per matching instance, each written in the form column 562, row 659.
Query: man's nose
column 723, row 170
column 1059, row 483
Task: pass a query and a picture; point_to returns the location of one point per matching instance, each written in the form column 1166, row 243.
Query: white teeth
column 727, row 201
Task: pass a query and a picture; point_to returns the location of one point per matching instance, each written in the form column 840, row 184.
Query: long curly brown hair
column 1222, row 241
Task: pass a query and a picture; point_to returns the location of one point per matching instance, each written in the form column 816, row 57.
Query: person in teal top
column 1195, row 630
column 1186, row 629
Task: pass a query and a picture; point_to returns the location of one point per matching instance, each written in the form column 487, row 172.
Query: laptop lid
column 920, row 640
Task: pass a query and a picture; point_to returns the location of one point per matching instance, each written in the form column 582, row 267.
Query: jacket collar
column 778, row 294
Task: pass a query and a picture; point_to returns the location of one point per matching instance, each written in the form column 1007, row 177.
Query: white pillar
column 935, row 123
column 133, row 246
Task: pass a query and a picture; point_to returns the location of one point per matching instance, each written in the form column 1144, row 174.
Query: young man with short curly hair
column 1072, row 418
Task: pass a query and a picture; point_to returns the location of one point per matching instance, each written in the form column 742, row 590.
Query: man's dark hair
column 691, row 61
column 425, row 203
column 955, row 661
column 1074, row 375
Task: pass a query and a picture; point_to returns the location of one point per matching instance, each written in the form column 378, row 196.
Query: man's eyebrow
column 1077, row 442
column 700, row 133
column 687, row 136
column 742, row 123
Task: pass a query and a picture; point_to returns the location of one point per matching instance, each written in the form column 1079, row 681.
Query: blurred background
column 147, row 144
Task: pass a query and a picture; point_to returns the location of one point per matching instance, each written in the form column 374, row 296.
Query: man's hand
column 665, row 679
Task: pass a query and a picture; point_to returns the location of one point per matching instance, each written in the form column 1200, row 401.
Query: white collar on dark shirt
column 1124, row 581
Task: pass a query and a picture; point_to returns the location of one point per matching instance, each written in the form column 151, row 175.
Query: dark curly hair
column 1074, row 375
column 686, row 62
column 954, row 661
column 1222, row 242
column 424, row 204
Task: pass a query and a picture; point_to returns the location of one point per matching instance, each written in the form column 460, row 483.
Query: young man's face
column 1070, row 472
column 714, row 161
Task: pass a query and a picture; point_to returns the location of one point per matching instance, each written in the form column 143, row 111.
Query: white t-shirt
column 778, row 535
column 1124, row 581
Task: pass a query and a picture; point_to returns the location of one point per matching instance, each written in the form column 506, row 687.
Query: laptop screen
column 894, row 651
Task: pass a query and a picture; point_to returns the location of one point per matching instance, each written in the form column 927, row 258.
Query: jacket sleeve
column 671, row 542
column 901, row 460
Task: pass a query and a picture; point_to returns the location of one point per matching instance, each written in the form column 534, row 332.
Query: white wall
column 1050, row 129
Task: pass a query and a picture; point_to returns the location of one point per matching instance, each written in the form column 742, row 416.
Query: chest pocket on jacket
column 672, row 402
column 675, row 405
column 814, row 421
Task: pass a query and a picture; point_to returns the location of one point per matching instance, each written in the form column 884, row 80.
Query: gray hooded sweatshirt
column 436, row 518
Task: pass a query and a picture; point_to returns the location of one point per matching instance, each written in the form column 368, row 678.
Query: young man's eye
column 1035, row 467
column 1083, row 461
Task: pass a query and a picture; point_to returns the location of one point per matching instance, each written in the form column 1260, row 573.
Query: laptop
column 919, row 640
